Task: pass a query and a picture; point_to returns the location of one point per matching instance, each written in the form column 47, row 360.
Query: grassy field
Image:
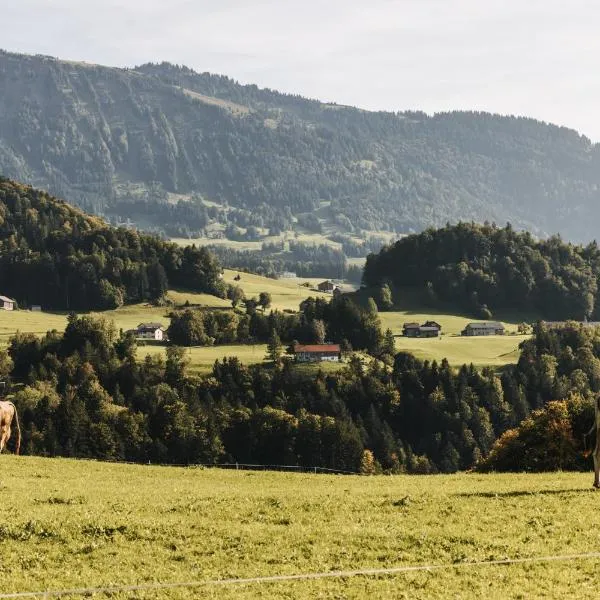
column 202, row 358
column 481, row 351
column 484, row 350
column 285, row 293
column 73, row 524
column 126, row 317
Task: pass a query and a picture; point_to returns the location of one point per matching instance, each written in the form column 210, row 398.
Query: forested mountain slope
column 57, row 256
column 130, row 142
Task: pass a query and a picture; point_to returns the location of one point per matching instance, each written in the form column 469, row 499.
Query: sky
column 523, row 57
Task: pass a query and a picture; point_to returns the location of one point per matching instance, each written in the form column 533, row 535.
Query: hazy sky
column 526, row 57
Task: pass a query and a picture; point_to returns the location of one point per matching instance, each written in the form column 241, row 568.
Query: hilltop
column 188, row 153
column 55, row 255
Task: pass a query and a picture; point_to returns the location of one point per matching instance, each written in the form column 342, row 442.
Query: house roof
column 410, row 325
column 486, row 325
column 317, row 348
column 432, row 324
column 150, row 326
column 5, row 299
column 428, row 328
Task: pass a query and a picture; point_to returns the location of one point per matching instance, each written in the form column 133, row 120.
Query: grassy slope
column 286, row 293
column 69, row 524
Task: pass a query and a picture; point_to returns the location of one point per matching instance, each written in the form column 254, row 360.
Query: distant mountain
column 183, row 152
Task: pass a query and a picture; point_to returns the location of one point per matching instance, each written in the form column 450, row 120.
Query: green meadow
column 287, row 294
column 73, row 524
column 480, row 350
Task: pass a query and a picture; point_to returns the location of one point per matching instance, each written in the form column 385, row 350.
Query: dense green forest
column 104, row 137
column 84, row 393
column 483, row 268
column 56, row 256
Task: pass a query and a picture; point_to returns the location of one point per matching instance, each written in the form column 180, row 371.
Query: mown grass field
column 72, row 524
column 479, row 350
column 202, row 358
column 286, row 293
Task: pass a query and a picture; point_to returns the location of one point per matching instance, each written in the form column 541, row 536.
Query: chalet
column 287, row 275
column 428, row 329
column 7, row 303
column 485, row 328
column 317, row 352
column 410, row 329
column 326, row 286
column 150, row 331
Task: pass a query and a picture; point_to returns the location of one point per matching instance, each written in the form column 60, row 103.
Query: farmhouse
column 7, row 303
column 485, row 328
column 150, row 331
column 326, row 286
column 287, row 275
column 317, row 352
column 410, row 329
column 428, row 329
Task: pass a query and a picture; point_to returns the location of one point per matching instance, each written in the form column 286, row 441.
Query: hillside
column 189, row 153
column 72, row 524
column 56, row 256
column 483, row 269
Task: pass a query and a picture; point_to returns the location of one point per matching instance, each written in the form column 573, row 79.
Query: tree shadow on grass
column 518, row 493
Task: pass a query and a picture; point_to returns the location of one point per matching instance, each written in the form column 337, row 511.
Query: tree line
column 85, row 393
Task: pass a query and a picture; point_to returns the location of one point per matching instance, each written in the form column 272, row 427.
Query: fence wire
column 113, row 589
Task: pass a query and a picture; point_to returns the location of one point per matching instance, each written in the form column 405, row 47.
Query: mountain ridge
column 102, row 137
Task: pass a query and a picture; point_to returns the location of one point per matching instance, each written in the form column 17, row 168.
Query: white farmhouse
column 7, row 303
column 150, row 331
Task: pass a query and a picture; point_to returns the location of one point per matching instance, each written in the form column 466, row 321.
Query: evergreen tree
column 274, row 348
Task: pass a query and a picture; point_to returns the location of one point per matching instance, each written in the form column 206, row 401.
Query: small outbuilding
column 326, row 286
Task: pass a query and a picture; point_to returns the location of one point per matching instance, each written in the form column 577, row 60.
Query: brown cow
column 596, row 452
column 8, row 411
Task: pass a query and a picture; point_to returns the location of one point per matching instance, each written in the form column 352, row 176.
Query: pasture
column 74, row 524
column 286, row 293
column 479, row 350
column 202, row 358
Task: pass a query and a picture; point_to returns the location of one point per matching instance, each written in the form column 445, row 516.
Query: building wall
column 8, row 305
column 314, row 357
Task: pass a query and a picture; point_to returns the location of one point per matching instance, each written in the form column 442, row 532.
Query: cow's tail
column 18, row 446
